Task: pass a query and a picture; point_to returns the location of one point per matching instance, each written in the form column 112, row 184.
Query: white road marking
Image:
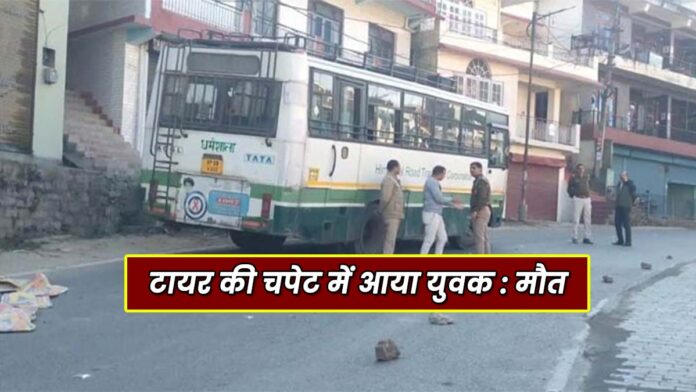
column 564, row 365
column 109, row 261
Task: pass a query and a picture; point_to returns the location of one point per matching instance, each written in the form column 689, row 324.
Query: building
column 483, row 43
column 651, row 115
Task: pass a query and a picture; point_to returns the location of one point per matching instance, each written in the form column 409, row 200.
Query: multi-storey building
column 113, row 45
column 651, row 115
column 484, row 44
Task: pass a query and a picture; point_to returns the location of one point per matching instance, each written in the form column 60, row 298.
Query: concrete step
column 83, row 116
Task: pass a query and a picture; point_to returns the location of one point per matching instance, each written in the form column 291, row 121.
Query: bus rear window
column 230, row 105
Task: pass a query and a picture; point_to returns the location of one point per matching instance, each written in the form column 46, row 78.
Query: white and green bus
column 286, row 139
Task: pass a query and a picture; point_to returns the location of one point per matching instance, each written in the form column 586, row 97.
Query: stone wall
column 39, row 197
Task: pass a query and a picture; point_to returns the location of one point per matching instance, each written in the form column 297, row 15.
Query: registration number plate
column 211, row 164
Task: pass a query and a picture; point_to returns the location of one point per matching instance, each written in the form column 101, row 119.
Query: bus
column 290, row 138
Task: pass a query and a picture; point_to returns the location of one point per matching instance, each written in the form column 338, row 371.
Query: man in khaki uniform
column 579, row 191
column 480, row 208
column 391, row 205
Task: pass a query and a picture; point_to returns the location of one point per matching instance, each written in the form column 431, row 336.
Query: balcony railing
column 525, row 43
column 547, row 131
column 330, row 51
column 473, row 30
column 211, row 12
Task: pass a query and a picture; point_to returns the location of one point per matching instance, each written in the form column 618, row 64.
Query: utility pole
column 522, row 208
column 608, row 91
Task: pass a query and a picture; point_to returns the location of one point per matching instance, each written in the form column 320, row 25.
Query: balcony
column 543, row 130
column 407, row 7
column 646, row 128
column 473, row 30
column 213, row 13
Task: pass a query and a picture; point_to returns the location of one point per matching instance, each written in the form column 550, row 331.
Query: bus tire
column 256, row 242
column 371, row 237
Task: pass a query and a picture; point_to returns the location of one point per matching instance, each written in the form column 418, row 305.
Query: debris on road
column 646, row 266
column 386, row 350
column 440, row 319
column 607, row 279
column 82, row 376
column 669, row 257
column 14, row 319
column 20, row 299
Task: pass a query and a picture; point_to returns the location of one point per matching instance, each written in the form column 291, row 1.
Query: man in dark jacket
column 625, row 197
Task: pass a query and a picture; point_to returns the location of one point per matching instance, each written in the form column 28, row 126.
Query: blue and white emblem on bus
column 260, row 159
column 228, row 203
column 195, row 205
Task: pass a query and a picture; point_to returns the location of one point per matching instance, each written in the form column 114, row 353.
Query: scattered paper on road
column 20, row 299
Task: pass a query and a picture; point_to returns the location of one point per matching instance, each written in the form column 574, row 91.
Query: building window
column 463, row 18
column 381, row 44
column 477, row 83
column 264, row 17
column 325, row 27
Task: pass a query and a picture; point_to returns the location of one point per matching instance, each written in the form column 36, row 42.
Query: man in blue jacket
column 433, row 203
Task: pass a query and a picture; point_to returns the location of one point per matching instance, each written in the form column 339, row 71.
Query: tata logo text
column 260, row 159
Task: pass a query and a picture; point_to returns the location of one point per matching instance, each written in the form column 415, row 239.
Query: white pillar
column 49, row 98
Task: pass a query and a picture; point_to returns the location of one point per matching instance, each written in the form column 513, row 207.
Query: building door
column 542, row 192
column 680, row 201
column 541, row 105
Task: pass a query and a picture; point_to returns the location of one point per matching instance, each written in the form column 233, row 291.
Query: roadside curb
column 209, row 249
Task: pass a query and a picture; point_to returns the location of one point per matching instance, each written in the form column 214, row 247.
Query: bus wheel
column 256, row 242
column 371, row 239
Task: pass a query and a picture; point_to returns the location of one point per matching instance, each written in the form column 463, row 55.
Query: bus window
column 250, row 104
column 498, row 150
column 446, row 126
column 412, row 118
column 350, row 110
column 321, row 110
column 383, row 104
column 473, row 139
column 200, row 104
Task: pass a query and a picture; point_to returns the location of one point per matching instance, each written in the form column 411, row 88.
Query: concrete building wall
column 49, row 99
column 18, row 42
column 86, row 13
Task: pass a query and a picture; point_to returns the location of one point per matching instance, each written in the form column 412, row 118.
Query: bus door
column 345, row 149
column 498, row 153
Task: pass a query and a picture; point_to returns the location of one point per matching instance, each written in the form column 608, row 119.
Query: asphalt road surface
column 86, row 341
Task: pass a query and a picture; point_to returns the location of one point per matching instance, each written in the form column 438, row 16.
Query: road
column 86, row 341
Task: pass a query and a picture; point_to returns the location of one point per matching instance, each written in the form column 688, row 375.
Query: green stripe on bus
column 311, row 195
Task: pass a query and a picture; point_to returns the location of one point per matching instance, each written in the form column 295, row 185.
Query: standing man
column 433, row 203
column 480, row 208
column 579, row 191
column 625, row 197
column 391, row 205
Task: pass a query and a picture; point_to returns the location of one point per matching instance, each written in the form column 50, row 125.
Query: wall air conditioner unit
column 419, row 23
